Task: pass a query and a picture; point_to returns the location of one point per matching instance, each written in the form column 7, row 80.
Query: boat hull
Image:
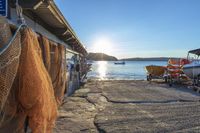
column 192, row 71
column 155, row 70
column 119, row 63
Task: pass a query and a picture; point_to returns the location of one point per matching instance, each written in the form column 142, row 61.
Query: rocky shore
column 130, row 106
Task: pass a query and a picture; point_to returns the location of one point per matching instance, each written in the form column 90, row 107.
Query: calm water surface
column 106, row 70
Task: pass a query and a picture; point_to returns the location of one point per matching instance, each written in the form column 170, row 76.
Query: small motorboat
column 119, row 63
column 192, row 70
column 154, row 72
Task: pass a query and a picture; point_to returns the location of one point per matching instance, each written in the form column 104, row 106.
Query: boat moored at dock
column 120, row 63
column 192, row 70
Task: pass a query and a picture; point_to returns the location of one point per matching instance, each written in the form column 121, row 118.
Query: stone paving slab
column 129, row 107
column 76, row 115
column 144, row 118
column 143, row 91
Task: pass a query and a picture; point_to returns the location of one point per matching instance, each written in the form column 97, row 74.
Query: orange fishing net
column 54, row 62
column 32, row 80
column 45, row 46
column 36, row 93
column 61, row 78
column 58, row 70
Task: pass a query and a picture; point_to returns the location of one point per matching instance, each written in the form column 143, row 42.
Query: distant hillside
column 148, row 59
column 101, row 57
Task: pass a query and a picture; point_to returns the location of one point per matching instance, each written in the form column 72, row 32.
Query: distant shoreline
column 149, row 59
column 105, row 57
column 143, row 60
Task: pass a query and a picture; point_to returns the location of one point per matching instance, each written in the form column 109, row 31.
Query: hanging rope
column 19, row 11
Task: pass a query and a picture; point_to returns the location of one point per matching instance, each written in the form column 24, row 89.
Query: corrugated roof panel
column 48, row 17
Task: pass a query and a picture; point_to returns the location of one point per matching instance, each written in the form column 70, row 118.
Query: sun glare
column 102, row 68
column 102, row 45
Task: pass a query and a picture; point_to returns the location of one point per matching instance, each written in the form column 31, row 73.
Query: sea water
column 131, row 70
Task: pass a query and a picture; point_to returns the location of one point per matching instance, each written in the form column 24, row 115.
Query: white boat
column 192, row 70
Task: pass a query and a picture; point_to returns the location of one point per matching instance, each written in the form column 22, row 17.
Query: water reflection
column 102, row 68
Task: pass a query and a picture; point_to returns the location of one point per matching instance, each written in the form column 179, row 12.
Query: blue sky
column 135, row 28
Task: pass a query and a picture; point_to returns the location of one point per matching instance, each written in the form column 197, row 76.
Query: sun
column 102, row 45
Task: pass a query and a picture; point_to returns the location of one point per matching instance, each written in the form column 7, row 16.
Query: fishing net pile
column 55, row 63
column 36, row 93
column 32, row 80
column 59, row 74
column 44, row 44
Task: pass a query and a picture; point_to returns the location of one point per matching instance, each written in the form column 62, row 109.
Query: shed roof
column 47, row 14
